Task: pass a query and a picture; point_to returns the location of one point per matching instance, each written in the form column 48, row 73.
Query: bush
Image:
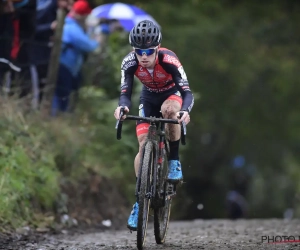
column 29, row 177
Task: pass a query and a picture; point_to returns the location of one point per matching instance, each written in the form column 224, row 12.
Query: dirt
column 96, row 199
column 197, row 234
column 93, row 204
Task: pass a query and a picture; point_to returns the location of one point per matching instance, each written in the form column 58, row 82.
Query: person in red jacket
column 165, row 91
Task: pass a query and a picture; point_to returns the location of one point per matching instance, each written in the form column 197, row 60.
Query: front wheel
column 145, row 192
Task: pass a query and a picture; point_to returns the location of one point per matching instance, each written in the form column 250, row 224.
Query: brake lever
column 119, row 120
column 120, row 123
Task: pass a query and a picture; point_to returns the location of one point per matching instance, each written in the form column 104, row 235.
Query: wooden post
column 54, row 58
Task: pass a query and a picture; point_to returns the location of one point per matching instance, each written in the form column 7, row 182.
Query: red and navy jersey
column 168, row 74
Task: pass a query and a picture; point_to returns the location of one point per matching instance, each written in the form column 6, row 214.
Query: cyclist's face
column 146, row 57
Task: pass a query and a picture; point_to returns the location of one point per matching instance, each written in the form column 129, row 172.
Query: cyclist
column 165, row 92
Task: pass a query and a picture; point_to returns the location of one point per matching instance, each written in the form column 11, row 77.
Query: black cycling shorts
column 150, row 105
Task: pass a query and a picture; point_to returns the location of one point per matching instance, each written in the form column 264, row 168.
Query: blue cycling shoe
column 175, row 172
column 133, row 217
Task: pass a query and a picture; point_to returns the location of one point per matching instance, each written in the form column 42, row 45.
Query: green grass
column 38, row 153
column 29, row 179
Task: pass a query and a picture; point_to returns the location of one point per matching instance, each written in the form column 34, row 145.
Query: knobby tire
column 145, row 187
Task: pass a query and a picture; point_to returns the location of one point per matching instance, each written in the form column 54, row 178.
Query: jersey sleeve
column 128, row 68
column 172, row 65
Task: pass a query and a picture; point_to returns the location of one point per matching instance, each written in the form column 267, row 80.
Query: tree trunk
column 54, row 59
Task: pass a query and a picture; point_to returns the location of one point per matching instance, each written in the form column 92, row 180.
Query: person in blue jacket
column 75, row 44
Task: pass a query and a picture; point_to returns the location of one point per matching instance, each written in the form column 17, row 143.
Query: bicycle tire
column 145, row 187
column 162, row 214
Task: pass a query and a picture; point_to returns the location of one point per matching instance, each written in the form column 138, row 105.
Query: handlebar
column 119, row 123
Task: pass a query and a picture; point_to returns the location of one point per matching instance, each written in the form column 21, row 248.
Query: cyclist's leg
column 169, row 108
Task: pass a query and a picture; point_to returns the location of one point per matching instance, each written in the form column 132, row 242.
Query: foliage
column 29, row 178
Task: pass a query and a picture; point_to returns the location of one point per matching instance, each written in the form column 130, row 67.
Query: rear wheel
column 145, row 192
column 162, row 213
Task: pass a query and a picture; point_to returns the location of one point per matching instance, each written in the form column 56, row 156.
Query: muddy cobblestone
column 197, row 234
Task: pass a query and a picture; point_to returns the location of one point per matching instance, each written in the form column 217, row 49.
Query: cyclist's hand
column 185, row 117
column 117, row 112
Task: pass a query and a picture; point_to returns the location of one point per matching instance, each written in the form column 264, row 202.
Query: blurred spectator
column 17, row 21
column 75, row 45
column 240, row 177
column 41, row 48
column 24, row 25
column 7, row 14
column 236, row 205
column 100, row 28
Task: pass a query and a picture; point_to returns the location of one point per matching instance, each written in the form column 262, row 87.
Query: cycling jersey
column 167, row 76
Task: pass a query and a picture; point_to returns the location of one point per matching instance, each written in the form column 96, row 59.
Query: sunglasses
column 147, row 52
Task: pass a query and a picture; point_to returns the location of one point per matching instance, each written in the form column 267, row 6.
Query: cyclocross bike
column 152, row 188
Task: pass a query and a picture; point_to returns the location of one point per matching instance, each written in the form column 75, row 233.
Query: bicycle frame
column 152, row 135
column 152, row 188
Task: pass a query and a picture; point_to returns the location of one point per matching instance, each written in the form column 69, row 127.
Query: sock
column 174, row 150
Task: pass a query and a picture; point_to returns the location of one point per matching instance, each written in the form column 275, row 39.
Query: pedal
column 170, row 190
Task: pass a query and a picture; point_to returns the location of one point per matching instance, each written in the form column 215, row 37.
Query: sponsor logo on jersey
column 122, row 77
column 142, row 74
column 185, row 88
column 160, row 75
column 128, row 65
column 128, row 61
column 128, row 58
column 156, row 90
column 178, row 93
column 142, row 129
column 182, row 73
column 171, row 59
column 124, row 86
column 142, row 112
column 191, row 106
